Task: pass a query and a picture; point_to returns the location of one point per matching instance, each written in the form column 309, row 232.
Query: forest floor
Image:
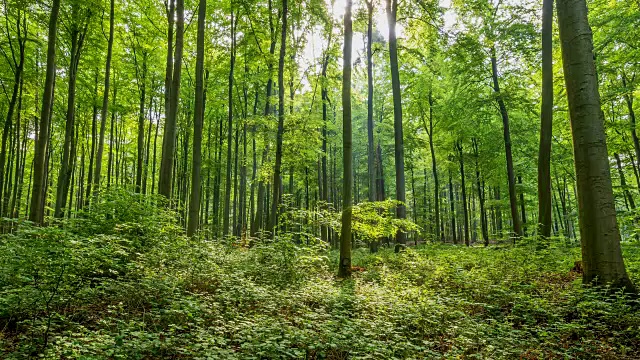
column 184, row 299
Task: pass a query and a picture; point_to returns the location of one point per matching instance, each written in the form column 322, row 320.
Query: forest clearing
column 319, row 179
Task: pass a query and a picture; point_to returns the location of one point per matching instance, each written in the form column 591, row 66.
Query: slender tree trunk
column 344, row 267
column 36, row 212
column 324, row 190
column 546, row 120
column 464, row 193
column 599, row 233
column 227, row 189
column 453, row 211
column 623, row 183
column 112, row 138
column 94, row 140
column 105, row 103
column 198, row 119
column 401, row 211
column 436, row 195
column 277, row 180
column 155, row 151
column 513, row 201
column 22, row 153
column 17, row 90
column 523, row 208
column 370, row 140
column 147, row 154
column 481, row 197
column 169, row 138
column 628, row 98
column 142, row 86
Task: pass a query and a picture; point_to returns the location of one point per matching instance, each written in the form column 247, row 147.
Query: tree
column 599, row 233
column 77, row 33
column 401, row 211
column 169, row 138
column 227, row 189
column 105, row 101
column 36, row 211
column 370, row 140
column 546, row 120
column 277, row 180
column 198, row 118
column 344, row 267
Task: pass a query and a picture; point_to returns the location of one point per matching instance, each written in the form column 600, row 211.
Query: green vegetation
column 126, row 289
column 319, row 179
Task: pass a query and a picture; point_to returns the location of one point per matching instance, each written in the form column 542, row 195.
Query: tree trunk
column 464, row 193
column 142, row 86
column 481, row 197
column 599, row 233
column 453, row 211
column 17, row 92
column 513, row 201
column 344, row 267
column 623, row 184
column 36, row 212
column 227, row 189
column 277, row 180
column 370, row 143
column 401, row 211
column 169, row 138
column 105, row 102
column 628, row 98
column 546, row 120
column 198, row 119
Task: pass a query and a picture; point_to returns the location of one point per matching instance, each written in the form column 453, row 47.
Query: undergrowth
column 123, row 282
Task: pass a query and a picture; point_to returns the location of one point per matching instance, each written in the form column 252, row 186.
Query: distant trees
column 437, row 91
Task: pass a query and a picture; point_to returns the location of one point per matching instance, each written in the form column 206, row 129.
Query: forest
column 319, row 179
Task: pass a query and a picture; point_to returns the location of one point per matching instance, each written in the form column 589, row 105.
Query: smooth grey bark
column 599, row 233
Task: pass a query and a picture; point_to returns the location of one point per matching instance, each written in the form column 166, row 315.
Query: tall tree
column 198, row 118
column 36, row 211
column 105, row 101
column 17, row 66
column 277, row 180
column 599, row 233
column 401, row 210
column 77, row 33
column 370, row 140
column 344, row 267
column 546, row 120
column 169, row 138
column 513, row 200
column 227, row 189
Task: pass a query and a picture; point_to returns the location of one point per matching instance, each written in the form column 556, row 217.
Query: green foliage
column 74, row 292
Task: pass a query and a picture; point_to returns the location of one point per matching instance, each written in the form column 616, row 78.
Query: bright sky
column 316, row 42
